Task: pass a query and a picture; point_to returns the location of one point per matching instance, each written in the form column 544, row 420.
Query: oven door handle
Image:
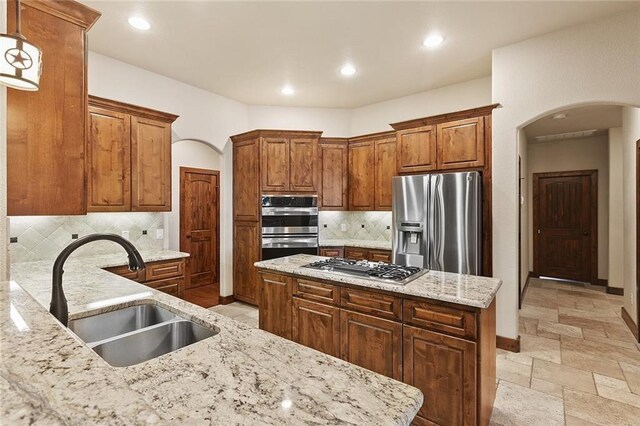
column 289, row 242
column 289, row 211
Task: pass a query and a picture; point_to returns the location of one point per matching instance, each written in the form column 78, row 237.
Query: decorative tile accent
column 375, row 225
column 42, row 237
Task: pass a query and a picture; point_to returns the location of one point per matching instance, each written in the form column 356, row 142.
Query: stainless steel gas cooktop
column 375, row 271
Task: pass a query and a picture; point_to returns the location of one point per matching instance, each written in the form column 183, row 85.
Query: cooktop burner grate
column 377, row 271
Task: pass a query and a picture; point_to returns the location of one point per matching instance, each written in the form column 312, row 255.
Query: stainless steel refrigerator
column 437, row 222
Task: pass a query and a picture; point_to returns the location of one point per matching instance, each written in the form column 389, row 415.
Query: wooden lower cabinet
column 444, row 369
column 246, row 251
column 317, row 326
column 380, row 256
column 275, row 304
column 372, row 343
column 167, row 276
column 356, row 253
column 332, row 251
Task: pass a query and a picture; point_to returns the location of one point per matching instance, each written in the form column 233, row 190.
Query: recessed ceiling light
column 347, row 70
column 560, row 116
column 287, row 90
column 433, row 40
column 139, row 23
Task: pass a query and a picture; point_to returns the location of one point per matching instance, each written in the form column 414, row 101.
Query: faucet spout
column 59, row 307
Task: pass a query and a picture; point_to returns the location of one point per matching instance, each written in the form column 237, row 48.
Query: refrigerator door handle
column 438, row 224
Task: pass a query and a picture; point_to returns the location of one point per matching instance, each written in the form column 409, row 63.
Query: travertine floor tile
column 619, row 395
column 546, row 387
column 513, row 372
column 567, row 377
column 574, row 421
column 562, row 329
column 632, row 375
column 599, row 410
column 537, row 312
column 610, row 382
column 516, row 405
column 600, row 349
column 518, row 357
column 528, row 326
column 540, row 348
column 581, row 322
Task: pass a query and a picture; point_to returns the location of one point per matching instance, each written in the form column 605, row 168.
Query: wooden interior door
column 565, row 225
column 199, row 224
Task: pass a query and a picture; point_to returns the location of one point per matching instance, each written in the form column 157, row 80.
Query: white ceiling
column 592, row 117
column 248, row 50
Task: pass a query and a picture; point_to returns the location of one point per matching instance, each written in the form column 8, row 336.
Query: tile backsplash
column 358, row 225
column 42, row 237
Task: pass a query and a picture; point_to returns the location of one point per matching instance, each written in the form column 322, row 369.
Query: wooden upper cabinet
column 416, row 150
column 385, row 170
column 246, row 180
column 444, row 369
column 46, row 128
column 150, row 165
column 334, row 175
column 108, row 161
column 303, row 165
column 361, row 176
column 461, row 144
column 246, row 251
column 275, row 164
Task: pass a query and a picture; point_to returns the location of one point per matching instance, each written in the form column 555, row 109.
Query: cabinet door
column 361, row 176
column 316, row 326
column 334, row 175
column 444, row 369
column 416, row 150
column 150, row 165
column 275, row 164
column 246, row 180
column 246, row 251
column 461, row 144
column 332, row 251
column 108, row 161
column 372, row 343
column 356, row 253
column 303, row 154
column 275, row 304
column 385, row 170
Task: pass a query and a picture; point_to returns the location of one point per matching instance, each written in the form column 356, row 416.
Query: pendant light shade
column 20, row 61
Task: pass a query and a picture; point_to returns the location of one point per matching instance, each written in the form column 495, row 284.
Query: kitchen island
column 436, row 332
column 242, row 375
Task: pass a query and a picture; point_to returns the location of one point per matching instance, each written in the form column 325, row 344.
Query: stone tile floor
column 579, row 363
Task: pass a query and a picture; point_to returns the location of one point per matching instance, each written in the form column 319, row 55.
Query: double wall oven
column 289, row 225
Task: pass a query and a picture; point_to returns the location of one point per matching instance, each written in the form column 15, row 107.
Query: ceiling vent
column 569, row 135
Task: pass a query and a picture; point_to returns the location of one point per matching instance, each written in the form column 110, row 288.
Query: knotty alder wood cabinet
column 168, row 276
column 445, row 350
column 128, row 157
column 333, row 193
column 46, row 129
column 374, row 255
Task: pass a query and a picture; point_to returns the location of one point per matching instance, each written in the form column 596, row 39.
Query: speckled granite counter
column 240, row 376
column 371, row 244
column 467, row 290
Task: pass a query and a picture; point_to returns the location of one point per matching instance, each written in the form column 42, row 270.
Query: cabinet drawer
column 356, row 253
column 332, row 251
column 380, row 256
column 124, row 271
column 173, row 286
column 381, row 305
column 440, row 318
column 319, row 292
column 161, row 270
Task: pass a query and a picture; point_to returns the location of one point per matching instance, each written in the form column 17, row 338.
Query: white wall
column 630, row 134
column 4, row 222
column 523, row 147
column 333, row 122
column 376, row 117
column 616, row 213
column 568, row 155
column 596, row 62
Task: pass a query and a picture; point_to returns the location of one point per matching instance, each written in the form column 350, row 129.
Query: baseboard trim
column 602, row 282
column 225, row 300
column 615, row 290
column 526, row 287
column 508, row 344
column 629, row 321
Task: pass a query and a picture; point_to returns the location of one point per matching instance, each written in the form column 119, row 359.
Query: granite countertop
column 242, row 375
column 469, row 290
column 371, row 244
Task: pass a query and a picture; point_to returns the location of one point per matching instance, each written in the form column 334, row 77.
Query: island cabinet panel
column 441, row 318
column 275, row 304
column 361, row 176
column 334, row 175
column 444, row 369
column 246, row 180
column 372, row 343
column 385, row 170
column 315, row 291
column 332, row 251
column 303, row 165
column 246, row 251
column 416, row 150
column 316, row 326
column 461, row 144
column 275, row 164
column 378, row 304
column 108, row 161
column 150, row 165
column 356, row 253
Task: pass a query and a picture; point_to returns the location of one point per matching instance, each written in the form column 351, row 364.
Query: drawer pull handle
column 439, row 317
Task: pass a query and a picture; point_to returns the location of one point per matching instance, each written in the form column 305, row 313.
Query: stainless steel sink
column 110, row 324
column 151, row 343
column 137, row 334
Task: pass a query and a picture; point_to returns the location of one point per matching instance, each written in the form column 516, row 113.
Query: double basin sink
column 137, row 334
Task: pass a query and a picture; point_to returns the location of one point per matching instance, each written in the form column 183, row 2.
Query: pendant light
column 20, row 61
